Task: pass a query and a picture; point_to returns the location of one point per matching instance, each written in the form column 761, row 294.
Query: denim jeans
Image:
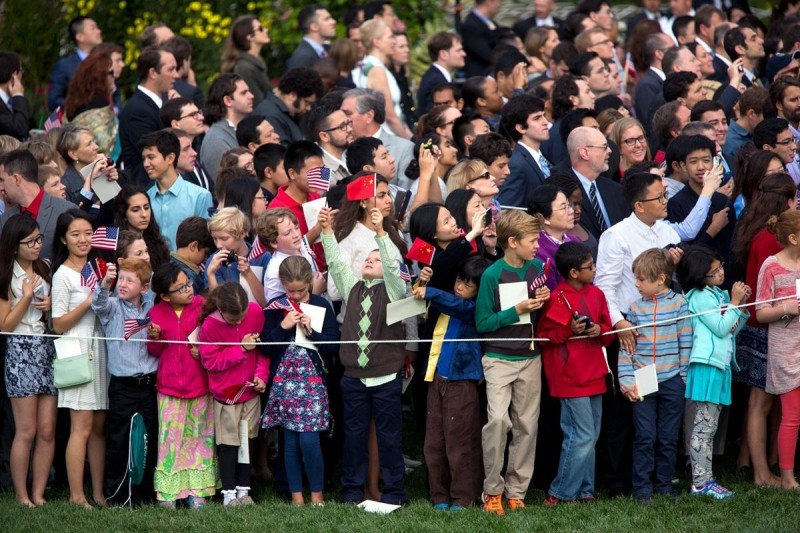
column 302, row 452
column 657, row 420
column 580, row 424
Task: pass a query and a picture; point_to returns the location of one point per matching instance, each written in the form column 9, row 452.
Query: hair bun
column 772, row 224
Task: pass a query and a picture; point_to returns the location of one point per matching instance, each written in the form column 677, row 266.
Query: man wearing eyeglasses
column 181, row 114
column 330, row 128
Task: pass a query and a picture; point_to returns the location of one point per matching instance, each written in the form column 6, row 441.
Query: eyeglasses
column 343, row 126
column 33, row 243
column 193, row 114
column 785, row 141
column 716, row 271
column 485, row 176
column 633, row 140
column 186, row 287
column 662, row 198
column 590, row 266
column 565, row 207
column 260, row 28
column 601, row 146
column 262, row 198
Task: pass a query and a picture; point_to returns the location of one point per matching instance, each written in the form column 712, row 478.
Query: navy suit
column 432, row 78
column 525, row 175
column 62, row 72
column 522, row 27
column 187, row 90
column 303, row 56
column 478, row 42
column 720, row 71
column 613, row 199
column 139, row 117
column 649, row 97
column 15, row 122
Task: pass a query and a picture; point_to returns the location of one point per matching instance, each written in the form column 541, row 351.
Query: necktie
column 598, row 213
column 544, row 165
column 201, row 177
column 323, row 53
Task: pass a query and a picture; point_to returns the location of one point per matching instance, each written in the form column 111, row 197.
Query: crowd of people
column 554, row 226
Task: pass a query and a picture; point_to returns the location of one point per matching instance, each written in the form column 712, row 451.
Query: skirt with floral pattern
column 29, row 366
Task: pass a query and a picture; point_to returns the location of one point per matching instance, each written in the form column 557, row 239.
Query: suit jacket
column 191, row 177
column 139, row 117
column 303, row 56
column 49, row 211
column 554, row 148
column 522, row 27
column 478, row 41
column 402, row 151
column 15, row 122
column 636, row 18
column 186, row 90
column 649, row 97
column 525, row 175
column 432, row 78
column 62, row 72
column 720, row 71
column 278, row 115
column 613, row 199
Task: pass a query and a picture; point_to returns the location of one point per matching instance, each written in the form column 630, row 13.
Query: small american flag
column 309, row 249
column 132, row 325
column 541, row 277
column 55, row 120
column 282, row 303
column 405, row 275
column 319, row 178
column 105, row 238
column 88, row 277
column 256, row 251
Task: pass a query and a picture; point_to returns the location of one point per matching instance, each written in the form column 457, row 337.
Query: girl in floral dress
column 187, row 465
column 298, row 400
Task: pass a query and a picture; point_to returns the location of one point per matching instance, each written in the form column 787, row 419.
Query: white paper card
column 317, row 316
column 371, row 506
column 244, row 442
column 67, row 347
column 402, row 309
column 105, row 189
column 646, row 380
column 194, row 337
column 311, row 212
column 513, row 293
column 258, row 271
column 85, row 171
column 797, row 288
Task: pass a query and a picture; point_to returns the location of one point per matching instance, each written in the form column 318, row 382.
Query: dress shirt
column 153, row 96
column 445, row 73
column 179, row 202
column 318, row 48
column 619, row 246
column 587, row 184
column 31, row 321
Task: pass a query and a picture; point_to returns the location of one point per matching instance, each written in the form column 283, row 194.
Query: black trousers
column 126, row 396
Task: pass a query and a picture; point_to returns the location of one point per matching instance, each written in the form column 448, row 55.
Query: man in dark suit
column 13, row 104
column 649, row 94
column 296, row 92
column 157, row 72
column 542, row 16
column 523, row 118
column 19, row 173
column 318, row 27
column 478, row 36
column 182, row 50
column 447, row 56
column 603, row 203
column 86, row 35
column 651, row 10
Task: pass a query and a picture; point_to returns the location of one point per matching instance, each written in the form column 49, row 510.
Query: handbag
column 73, row 371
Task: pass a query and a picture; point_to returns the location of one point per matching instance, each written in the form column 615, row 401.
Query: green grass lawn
column 751, row 510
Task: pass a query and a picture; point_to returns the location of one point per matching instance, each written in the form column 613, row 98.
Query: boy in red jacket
column 576, row 369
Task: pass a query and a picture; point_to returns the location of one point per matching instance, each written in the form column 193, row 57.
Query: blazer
column 402, row 151
column 522, row 27
column 278, row 115
column 187, row 90
column 49, row 211
column 253, row 70
column 478, row 42
column 303, row 56
column 430, row 80
column 62, row 72
column 611, row 193
column 720, row 70
column 139, row 117
column 649, row 97
column 15, row 122
column 525, row 175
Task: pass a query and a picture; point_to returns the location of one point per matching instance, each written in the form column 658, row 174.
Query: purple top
column 547, row 250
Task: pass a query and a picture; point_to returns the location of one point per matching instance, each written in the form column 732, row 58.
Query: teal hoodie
column 714, row 334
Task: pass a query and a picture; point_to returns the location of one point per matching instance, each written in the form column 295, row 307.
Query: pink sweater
column 179, row 374
column 230, row 367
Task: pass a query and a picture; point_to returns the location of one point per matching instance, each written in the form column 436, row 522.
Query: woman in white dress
column 73, row 316
column 379, row 42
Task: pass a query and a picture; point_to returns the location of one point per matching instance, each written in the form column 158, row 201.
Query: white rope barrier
column 404, row 341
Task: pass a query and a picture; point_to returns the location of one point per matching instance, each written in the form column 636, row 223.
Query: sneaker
column 713, row 489
column 167, row 504
column 643, row 500
column 552, row 501
column 411, row 463
column 442, row 506
column 587, row 499
column 456, row 508
column 515, row 504
column 493, row 503
column 195, row 502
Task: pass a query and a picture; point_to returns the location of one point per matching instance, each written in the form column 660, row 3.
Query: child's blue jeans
column 580, row 424
column 302, row 451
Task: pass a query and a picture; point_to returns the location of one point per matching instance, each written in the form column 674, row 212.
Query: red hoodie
column 230, row 367
column 574, row 368
column 179, row 374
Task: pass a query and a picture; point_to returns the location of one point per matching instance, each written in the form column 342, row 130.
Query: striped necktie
column 598, row 213
column 544, row 165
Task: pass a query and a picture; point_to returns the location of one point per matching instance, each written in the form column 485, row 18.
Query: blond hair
column 371, row 30
column 463, row 172
column 623, row 125
column 652, row 263
column 517, row 224
column 232, row 220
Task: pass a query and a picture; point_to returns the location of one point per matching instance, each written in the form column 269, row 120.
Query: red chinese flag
column 362, row 188
column 421, row 251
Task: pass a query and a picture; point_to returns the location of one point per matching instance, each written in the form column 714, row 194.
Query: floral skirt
column 29, row 366
column 298, row 399
column 187, row 462
column 751, row 355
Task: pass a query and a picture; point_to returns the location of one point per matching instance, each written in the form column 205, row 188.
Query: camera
column 231, row 259
column 109, row 162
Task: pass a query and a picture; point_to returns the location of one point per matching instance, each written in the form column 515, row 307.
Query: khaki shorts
column 227, row 418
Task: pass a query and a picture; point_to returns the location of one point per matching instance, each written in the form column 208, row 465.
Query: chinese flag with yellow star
column 421, row 251
column 362, row 188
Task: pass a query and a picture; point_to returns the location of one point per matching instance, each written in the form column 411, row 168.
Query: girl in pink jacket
column 237, row 373
column 187, row 465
